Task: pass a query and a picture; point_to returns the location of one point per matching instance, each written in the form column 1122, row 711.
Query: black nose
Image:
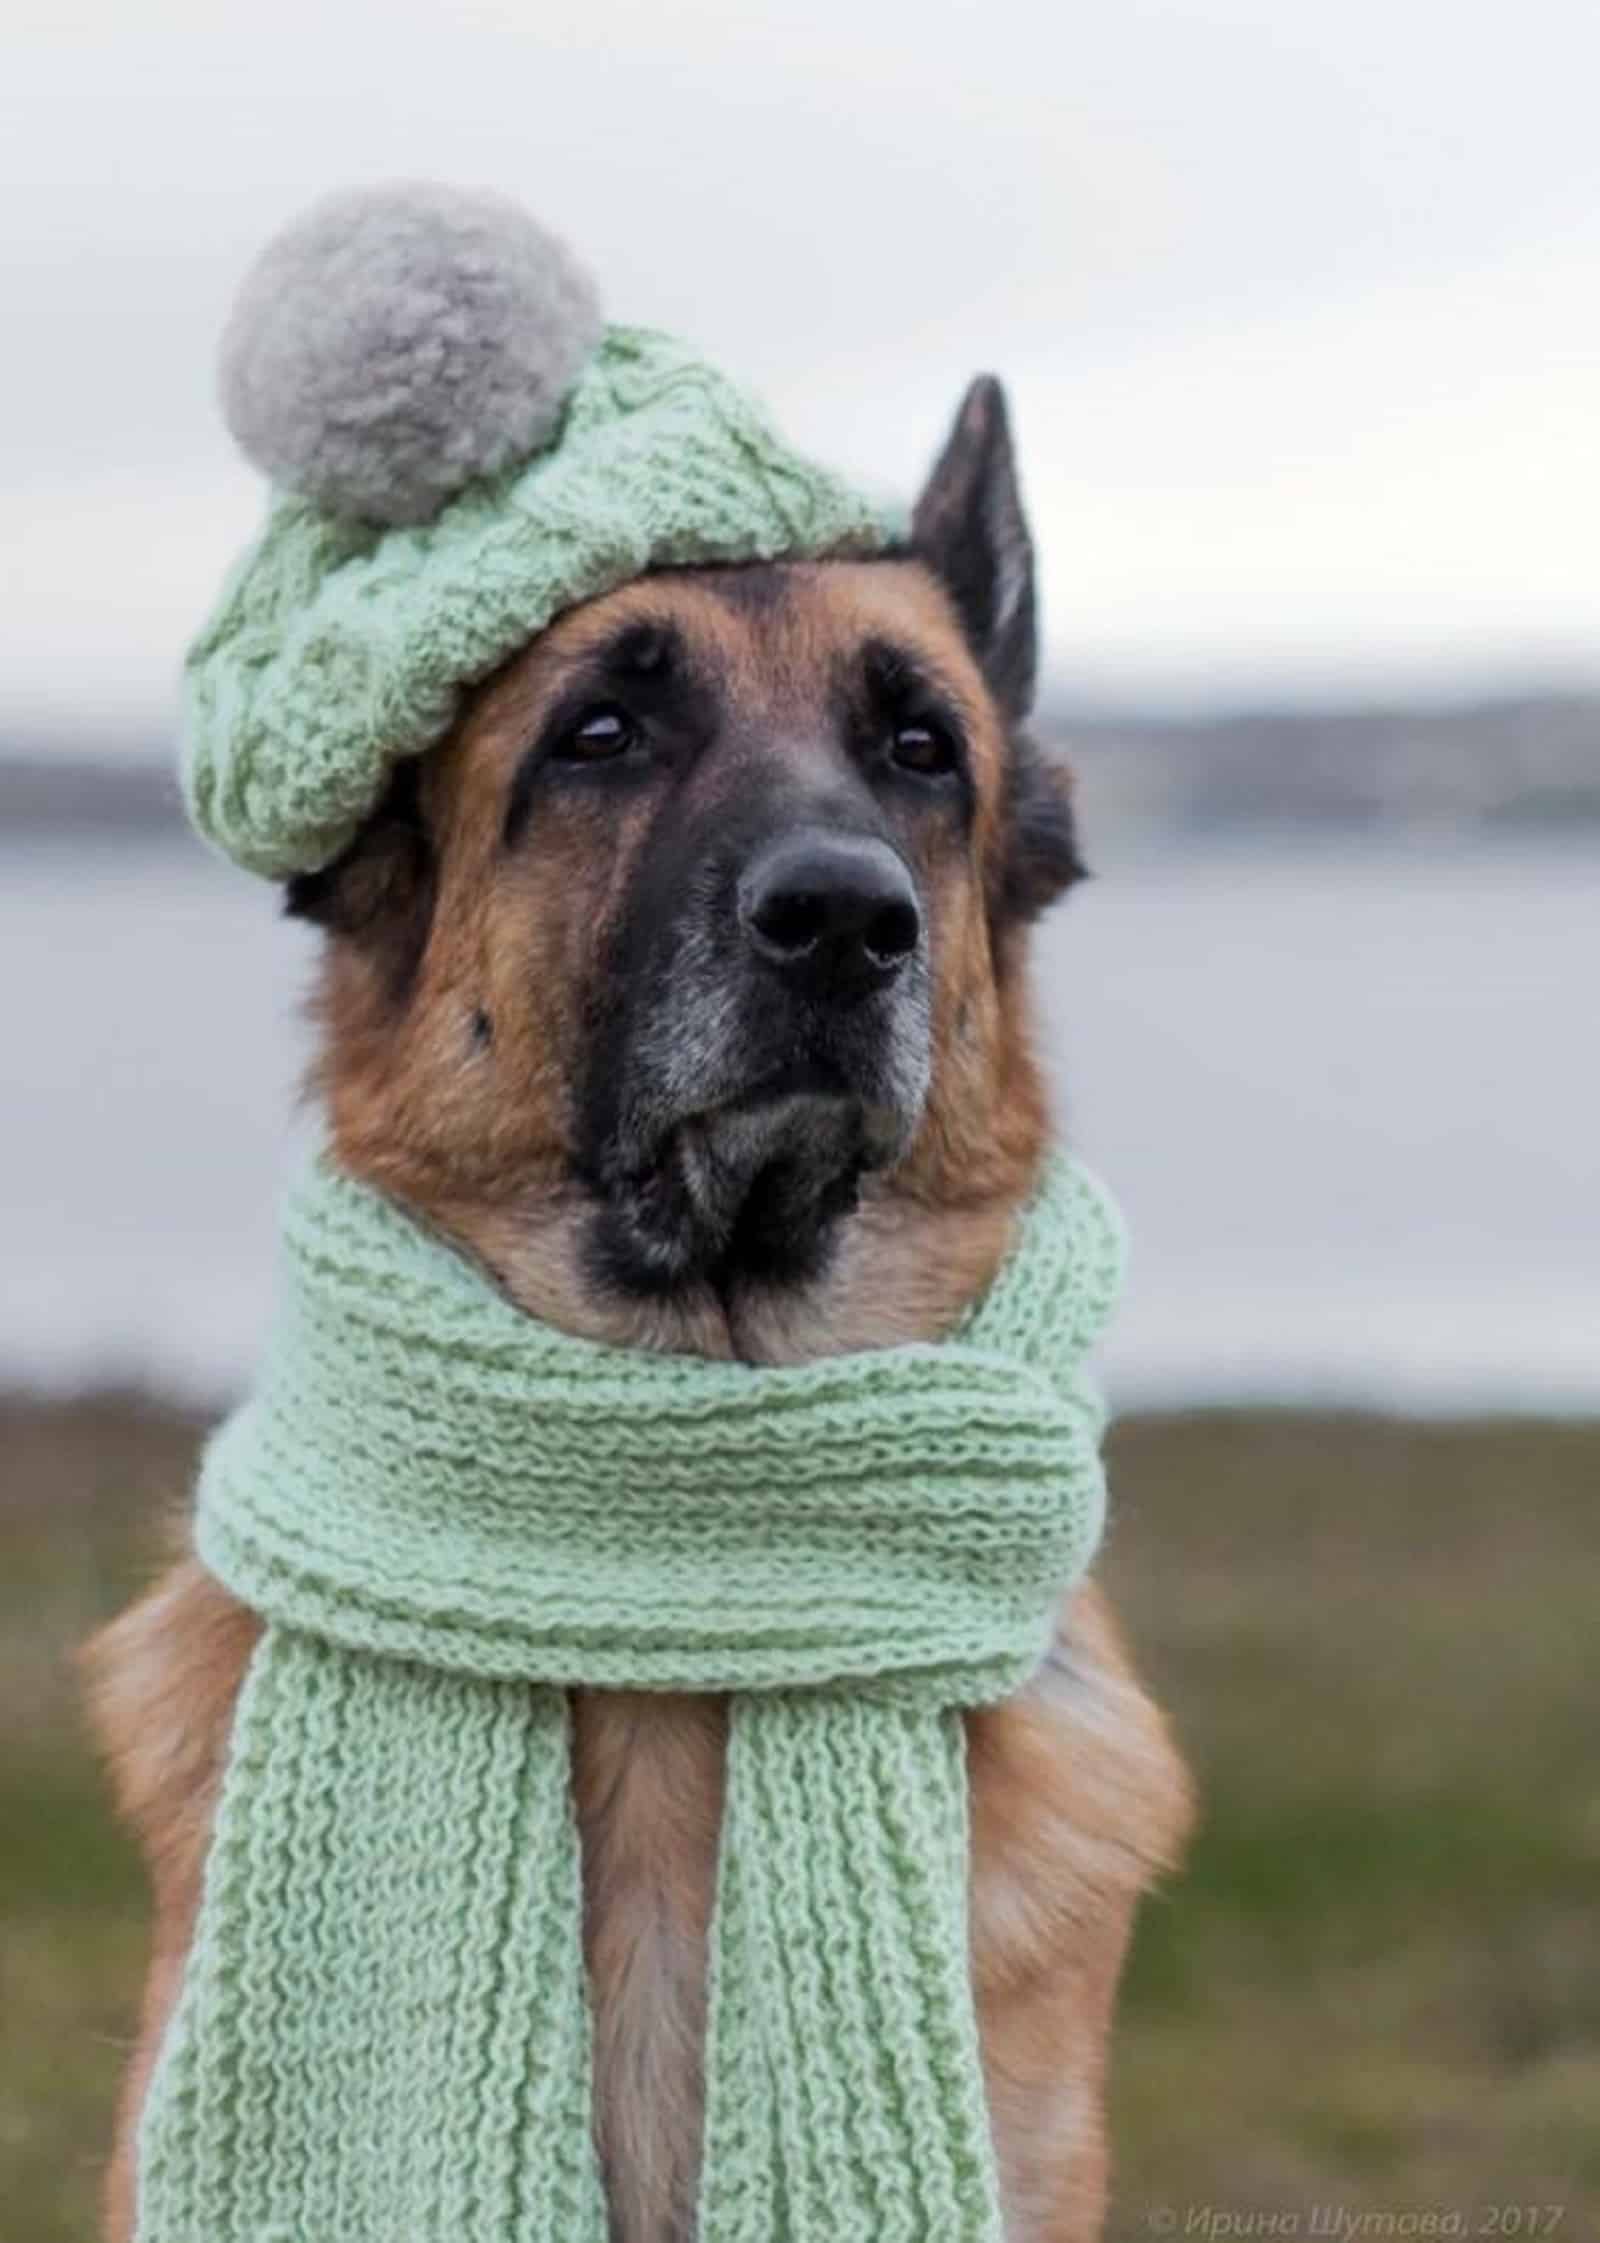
column 835, row 914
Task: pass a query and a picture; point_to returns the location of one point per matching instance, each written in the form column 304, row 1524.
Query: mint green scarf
column 448, row 1515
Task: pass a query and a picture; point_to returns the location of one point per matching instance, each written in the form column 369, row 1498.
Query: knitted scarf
column 448, row 1515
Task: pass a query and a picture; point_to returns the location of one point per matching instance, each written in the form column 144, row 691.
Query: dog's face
column 707, row 916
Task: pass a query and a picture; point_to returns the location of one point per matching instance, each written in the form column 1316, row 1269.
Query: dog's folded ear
column 1041, row 860
column 970, row 529
column 378, row 894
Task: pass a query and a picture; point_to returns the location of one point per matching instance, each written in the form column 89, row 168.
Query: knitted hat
column 460, row 450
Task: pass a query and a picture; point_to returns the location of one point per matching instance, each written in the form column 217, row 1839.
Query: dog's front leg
column 1079, row 1800
column 163, row 1679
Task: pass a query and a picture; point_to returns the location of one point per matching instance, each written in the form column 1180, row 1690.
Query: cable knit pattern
column 342, row 646
column 448, row 1514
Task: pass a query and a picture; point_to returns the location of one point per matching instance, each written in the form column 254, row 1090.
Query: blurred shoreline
column 1524, row 762
column 1339, row 1084
column 33, row 1417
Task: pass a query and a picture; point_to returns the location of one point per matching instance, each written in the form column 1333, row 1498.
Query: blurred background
column 1298, row 309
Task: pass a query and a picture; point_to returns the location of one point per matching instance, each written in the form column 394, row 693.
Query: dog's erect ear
column 379, row 892
column 970, row 529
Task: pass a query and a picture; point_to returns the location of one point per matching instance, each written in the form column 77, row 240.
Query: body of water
column 1348, row 1097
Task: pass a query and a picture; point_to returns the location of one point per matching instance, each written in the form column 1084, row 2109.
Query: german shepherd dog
column 684, row 987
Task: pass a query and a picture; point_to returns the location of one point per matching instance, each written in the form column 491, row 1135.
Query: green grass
column 1375, row 1988
column 1377, row 1984
column 81, row 1492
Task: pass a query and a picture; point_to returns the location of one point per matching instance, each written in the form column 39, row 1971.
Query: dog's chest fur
column 1077, row 1799
column 647, row 1772
column 1074, row 1802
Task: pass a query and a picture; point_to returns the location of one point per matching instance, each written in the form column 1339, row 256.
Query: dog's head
column 699, row 941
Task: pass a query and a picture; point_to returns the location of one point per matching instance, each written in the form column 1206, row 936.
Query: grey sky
column 1299, row 304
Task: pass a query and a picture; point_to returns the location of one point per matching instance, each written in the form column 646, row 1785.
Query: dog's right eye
column 598, row 734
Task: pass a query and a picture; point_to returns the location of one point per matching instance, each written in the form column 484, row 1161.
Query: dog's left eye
column 922, row 748
column 598, row 734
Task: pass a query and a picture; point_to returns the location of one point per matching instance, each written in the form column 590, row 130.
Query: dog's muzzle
column 769, row 1045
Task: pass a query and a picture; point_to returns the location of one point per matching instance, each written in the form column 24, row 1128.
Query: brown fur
column 482, row 1141
column 1078, row 1798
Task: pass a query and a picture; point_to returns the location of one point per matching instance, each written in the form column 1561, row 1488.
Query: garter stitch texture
column 448, row 1515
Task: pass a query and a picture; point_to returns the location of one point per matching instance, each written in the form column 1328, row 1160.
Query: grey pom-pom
column 397, row 342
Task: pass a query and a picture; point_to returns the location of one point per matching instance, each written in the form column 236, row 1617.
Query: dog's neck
column 900, row 1270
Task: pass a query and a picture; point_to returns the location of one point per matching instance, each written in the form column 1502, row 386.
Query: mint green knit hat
column 459, row 450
